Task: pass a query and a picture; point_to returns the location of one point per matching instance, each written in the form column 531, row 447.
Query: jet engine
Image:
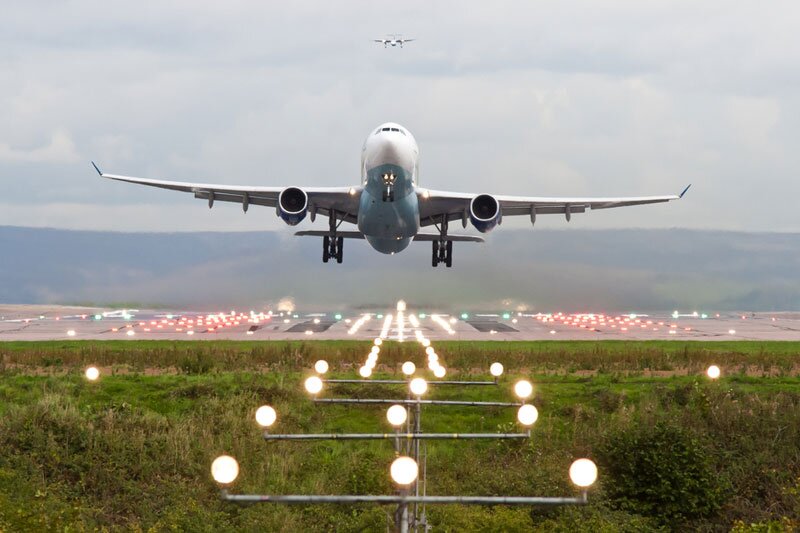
column 484, row 212
column 292, row 205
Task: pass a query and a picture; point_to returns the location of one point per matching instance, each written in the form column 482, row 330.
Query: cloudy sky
column 537, row 98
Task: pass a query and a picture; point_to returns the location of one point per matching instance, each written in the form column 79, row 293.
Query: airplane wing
column 321, row 200
column 433, row 205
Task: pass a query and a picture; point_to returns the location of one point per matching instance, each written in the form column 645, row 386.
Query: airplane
column 389, row 207
column 393, row 40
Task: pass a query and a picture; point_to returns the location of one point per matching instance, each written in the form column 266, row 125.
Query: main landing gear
column 332, row 246
column 443, row 248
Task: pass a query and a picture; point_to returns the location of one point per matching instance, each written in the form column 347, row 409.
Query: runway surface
column 35, row 322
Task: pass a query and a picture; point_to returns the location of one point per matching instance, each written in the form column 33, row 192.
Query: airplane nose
column 391, row 150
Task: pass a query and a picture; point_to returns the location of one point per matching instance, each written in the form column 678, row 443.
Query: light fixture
column 92, row 373
column 496, row 369
column 266, row 416
column 397, row 415
column 523, row 389
column 224, row 469
column 527, row 415
column 713, row 372
column 321, row 366
column 313, row 385
column 408, row 368
column 583, row 472
column 404, row 470
column 418, row 386
column 439, row 371
column 365, row 371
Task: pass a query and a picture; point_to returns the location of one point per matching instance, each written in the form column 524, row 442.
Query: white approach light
column 496, row 369
column 439, row 371
column 313, row 385
column 365, row 371
column 429, row 350
column 224, row 469
column 523, row 389
column 71, row 333
column 92, row 373
column 378, row 341
column 418, row 386
column 583, row 472
column 130, row 333
column 713, row 372
column 397, row 415
column 527, row 415
column 266, row 416
column 408, row 368
column 404, row 470
column 321, row 366
column 375, row 350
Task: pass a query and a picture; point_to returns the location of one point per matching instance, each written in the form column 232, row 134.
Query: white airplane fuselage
column 388, row 214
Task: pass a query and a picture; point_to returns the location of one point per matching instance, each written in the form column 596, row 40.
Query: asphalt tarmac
column 48, row 322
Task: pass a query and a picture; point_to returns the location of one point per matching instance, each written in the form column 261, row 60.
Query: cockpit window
column 398, row 130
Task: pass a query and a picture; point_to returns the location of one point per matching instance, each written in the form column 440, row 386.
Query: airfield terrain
column 45, row 322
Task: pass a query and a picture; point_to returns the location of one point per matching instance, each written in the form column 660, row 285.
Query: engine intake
column 292, row 205
column 484, row 212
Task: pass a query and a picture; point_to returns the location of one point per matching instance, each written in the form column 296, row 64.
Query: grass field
column 132, row 451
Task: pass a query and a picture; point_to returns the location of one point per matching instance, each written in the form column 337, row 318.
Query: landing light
column 583, row 472
column 313, row 385
column 523, row 389
column 404, row 470
column 266, row 416
column 224, row 469
column 527, row 415
column 418, row 386
column 496, row 369
column 397, row 415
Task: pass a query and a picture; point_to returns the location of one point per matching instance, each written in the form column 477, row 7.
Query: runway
column 41, row 323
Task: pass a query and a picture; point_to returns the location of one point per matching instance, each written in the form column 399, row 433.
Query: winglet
column 97, row 169
column 684, row 191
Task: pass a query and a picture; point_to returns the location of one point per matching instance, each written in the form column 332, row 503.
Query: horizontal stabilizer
column 426, row 237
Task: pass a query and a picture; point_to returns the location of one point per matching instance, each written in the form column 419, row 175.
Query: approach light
column 266, row 416
column 375, row 350
column 401, row 305
column 71, row 333
column 378, row 341
column 583, row 472
column 404, row 470
column 130, row 333
column 224, row 469
column 496, row 370
column 439, row 371
column 408, row 368
column 429, row 350
column 313, row 385
column 92, row 373
column 713, row 372
column 527, row 415
column 365, row 371
column 418, row 386
column 731, row 332
column 321, row 366
column 523, row 389
column 397, row 415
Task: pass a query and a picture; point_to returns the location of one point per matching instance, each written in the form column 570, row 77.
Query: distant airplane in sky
column 393, row 40
column 388, row 206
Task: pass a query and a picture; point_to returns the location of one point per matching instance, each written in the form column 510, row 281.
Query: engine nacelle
column 484, row 212
column 292, row 205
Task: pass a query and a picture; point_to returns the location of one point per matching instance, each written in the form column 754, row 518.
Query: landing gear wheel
column 449, row 254
column 435, row 260
column 339, row 249
column 325, row 249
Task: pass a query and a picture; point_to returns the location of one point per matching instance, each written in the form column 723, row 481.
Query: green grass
column 132, row 451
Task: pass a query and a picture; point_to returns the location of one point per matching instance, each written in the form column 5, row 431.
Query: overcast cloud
column 539, row 98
